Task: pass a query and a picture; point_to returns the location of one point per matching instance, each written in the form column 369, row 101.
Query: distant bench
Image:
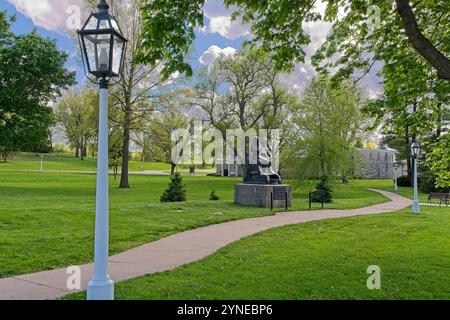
column 442, row 197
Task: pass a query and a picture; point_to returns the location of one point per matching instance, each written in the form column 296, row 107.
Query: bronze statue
column 262, row 172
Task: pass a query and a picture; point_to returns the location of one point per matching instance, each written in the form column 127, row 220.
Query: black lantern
column 415, row 150
column 102, row 44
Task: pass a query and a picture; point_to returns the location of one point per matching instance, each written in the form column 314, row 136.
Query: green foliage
column 168, row 33
column 176, row 191
column 324, row 192
column 352, row 37
column 329, row 121
column 438, row 160
column 404, row 181
column 278, row 29
column 213, row 196
column 428, row 183
column 77, row 113
column 5, row 23
column 156, row 140
column 32, row 75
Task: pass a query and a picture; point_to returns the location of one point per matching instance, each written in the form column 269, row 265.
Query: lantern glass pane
column 117, row 54
column 104, row 24
column 92, row 23
column 98, row 51
column 90, row 53
column 114, row 24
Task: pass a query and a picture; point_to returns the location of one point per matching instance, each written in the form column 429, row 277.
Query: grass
column 64, row 162
column 47, row 220
column 317, row 260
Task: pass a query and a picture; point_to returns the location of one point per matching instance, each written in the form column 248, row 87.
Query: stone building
column 376, row 163
column 372, row 164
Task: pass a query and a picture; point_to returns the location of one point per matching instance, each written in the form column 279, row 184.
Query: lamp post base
column 416, row 208
column 100, row 290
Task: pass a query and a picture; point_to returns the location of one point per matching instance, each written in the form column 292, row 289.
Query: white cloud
column 209, row 56
column 53, row 15
column 216, row 8
column 303, row 73
column 226, row 28
column 220, row 21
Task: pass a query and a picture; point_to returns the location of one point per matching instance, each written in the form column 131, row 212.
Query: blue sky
column 27, row 21
column 220, row 35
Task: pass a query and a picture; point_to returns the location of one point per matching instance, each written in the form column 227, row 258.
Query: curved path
column 176, row 250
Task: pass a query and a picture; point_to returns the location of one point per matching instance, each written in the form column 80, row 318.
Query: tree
column 155, row 136
column 78, row 115
column 327, row 124
column 5, row 22
column 213, row 196
column 277, row 26
column 138, row 91
column 176, row 191
column 324, row 192
column 243, row 91
column 420, row 43
column 412, row 103
column 438, row 160
column 32, row 75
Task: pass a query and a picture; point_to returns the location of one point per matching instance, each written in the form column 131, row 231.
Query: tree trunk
column 421, row 44
column 77, row 151
column 124, row 184
column 82, row 150
column 439, row 122
column 172, row 168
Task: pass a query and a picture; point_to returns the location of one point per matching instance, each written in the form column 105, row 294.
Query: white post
column 101, row 287
column 42, row 160
column 395, row 179
column 416, row 209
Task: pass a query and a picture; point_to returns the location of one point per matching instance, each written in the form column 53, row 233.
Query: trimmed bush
column 176, row 191
column 324, row 192
column 427, row 184
column 213, row 196
column 403, row 181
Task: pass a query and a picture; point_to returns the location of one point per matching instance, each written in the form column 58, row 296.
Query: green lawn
column 63, row 162
column 317, row 260
column 47, row 220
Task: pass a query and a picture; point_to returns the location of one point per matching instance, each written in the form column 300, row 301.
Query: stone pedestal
column 263, row 195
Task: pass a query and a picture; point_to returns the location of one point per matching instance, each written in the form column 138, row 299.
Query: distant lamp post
column 415, row 153
column 42, row 163
column 103, row 49
column 396, row 166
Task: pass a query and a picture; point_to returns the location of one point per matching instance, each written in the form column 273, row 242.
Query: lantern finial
column 103, row 6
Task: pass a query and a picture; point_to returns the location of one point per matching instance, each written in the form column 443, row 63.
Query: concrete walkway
column 176, row 250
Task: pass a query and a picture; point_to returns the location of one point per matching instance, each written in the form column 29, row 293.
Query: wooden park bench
column 442, row 197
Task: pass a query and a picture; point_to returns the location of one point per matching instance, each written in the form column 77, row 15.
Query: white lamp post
column 42, row 163
column 415, row 152
column 395, row 176
column 103, row 49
